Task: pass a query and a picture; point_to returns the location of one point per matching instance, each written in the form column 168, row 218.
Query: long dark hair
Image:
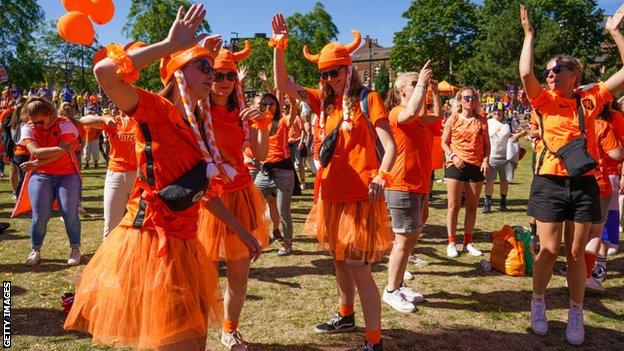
column 329, row 95
column 277, row 115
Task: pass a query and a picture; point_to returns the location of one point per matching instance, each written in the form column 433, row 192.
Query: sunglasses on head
column 556, row 70
column 333, row 73
column 231, row 76
column 204, row 65
column 469, row 98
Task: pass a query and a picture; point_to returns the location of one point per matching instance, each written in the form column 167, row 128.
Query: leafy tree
column 382, row 81
column 568, row 27
column 261, row 59
column 19, row 20
column 441, row 31
column 149, row 21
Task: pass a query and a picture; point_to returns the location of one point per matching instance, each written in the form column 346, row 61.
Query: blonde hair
column 401, row 81
column 67, row 110
column 457, row 108
column 35, row 106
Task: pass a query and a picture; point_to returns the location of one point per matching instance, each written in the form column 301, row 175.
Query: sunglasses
column 265, row 106
column 469, row 98
column 204, row 65
column 231, row 76
column 556, row 70
column 333, row 73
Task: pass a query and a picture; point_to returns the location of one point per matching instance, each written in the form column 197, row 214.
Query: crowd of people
column 198, row 174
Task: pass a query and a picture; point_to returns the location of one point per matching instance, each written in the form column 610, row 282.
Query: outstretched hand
column 614, row 22
column 213, row 44
column 280, row 28
column 425, row 74
column 242, row 72
column 182, row 32
column 525, row 21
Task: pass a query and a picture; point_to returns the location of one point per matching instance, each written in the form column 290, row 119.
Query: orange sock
column 345, row 310
column 467, row 238
column 373, row 336
column 590, row 261
column 230, row 326
column 452, row 239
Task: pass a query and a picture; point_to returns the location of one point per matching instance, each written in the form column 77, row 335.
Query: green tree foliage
column 382, row 81
column 563, row 27
column 440, row 30
column 65, row 63
column 149, row 21
column 261, row 59
column 20, row 20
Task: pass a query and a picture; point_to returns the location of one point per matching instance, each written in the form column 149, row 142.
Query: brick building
column 370, row 56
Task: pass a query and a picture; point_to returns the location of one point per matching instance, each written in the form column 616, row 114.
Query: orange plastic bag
column 507, row 254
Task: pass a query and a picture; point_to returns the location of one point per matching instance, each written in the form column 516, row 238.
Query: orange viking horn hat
column 241, row 55
column 334, row 54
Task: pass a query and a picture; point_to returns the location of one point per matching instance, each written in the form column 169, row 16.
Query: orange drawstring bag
column 507, row 253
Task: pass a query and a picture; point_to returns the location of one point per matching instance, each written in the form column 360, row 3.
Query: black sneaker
column 3, row 227
column 276, row 236
column 599, row 273
column 503, row 207
column 337, row 324
column 369, row 346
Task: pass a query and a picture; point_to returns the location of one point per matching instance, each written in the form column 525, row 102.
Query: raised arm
column 417, row 99
column 97, row 122
column 265, row 82
column 616, row 81
column 280, row 74
column 527, row 76
column 181, row 36
column 437, row 105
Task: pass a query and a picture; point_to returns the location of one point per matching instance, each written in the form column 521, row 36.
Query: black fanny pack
column 574, row 155
column 186, row 190
column 328, row 147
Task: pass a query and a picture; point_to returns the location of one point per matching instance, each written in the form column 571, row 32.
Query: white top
column 499, row 136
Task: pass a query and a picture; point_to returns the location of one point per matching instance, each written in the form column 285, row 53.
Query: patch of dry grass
column 466, row 308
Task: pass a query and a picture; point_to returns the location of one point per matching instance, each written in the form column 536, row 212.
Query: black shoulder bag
column 574, row 155
column 186, row 190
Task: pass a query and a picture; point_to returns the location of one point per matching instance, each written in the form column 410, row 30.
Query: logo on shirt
column 588, row 104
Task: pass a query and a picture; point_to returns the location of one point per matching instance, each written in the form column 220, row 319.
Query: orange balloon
column 83, row 6
column 76, row 28
column 102, row 11
column 99, row 55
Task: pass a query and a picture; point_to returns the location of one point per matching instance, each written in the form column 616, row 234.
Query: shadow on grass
column 46, row 265
column 13, row 235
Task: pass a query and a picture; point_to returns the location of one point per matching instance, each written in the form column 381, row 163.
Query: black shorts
column 470, row 173
column 558, row 199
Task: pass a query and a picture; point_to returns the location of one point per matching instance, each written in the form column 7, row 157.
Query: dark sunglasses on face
column 556, row 70
column 469, row 98
column 204, row 66
column 333, row 73
column 231, row 76
column 264, row 106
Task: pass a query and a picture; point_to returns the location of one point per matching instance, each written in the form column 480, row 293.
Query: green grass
column 466, row 308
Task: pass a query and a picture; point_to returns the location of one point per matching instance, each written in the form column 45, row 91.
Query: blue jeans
column 279, row 184
column 42, row 190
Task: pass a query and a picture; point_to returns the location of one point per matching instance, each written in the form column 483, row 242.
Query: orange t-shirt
column 412, row 169
column 166, row 149
column 92, row 134
column 122, row 156
column 93, row 99
column 437, row 154
column 317, row 142
column 296, row 130
column 467, row 138
column 278, row 143
column 348, row 175
column 61, row 131
column 611, row 166
column 4, row 114
column 606, row 142
column 561, row 125
column 230, row 137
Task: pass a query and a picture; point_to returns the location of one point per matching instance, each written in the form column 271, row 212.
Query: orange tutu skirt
column 355, row 231
column 221, row 243
column 128, row 297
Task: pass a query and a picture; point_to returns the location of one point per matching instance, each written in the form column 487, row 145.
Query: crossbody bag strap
column 580, row 114
column 541, row 127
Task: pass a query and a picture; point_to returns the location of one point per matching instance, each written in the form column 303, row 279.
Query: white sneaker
column 34, row 257
column 408, row 276
column 472, row 249
column 621, row 229
column 410, row 295
column 613, row 250
column 451, row 250
column 302, row 186
column 593, row 284
column 74, row 257
column 413, row 259
column 397, row 301
column 539, row 323
column 575, row 333
column 233, row 340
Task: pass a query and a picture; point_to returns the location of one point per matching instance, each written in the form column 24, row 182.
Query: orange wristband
column 125, row 67
column 383, row 174
column 281, row 43
column 262, row 123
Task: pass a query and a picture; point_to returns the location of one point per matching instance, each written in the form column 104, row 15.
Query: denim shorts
column 406, row 210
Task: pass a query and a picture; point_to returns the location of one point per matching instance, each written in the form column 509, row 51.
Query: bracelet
column 451, row 155
column 279, row 43
column 383, row 174
column 125, row 67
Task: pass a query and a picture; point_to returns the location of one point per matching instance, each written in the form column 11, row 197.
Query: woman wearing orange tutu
column 233, row 135
column 152, row 285
column 350, row 218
